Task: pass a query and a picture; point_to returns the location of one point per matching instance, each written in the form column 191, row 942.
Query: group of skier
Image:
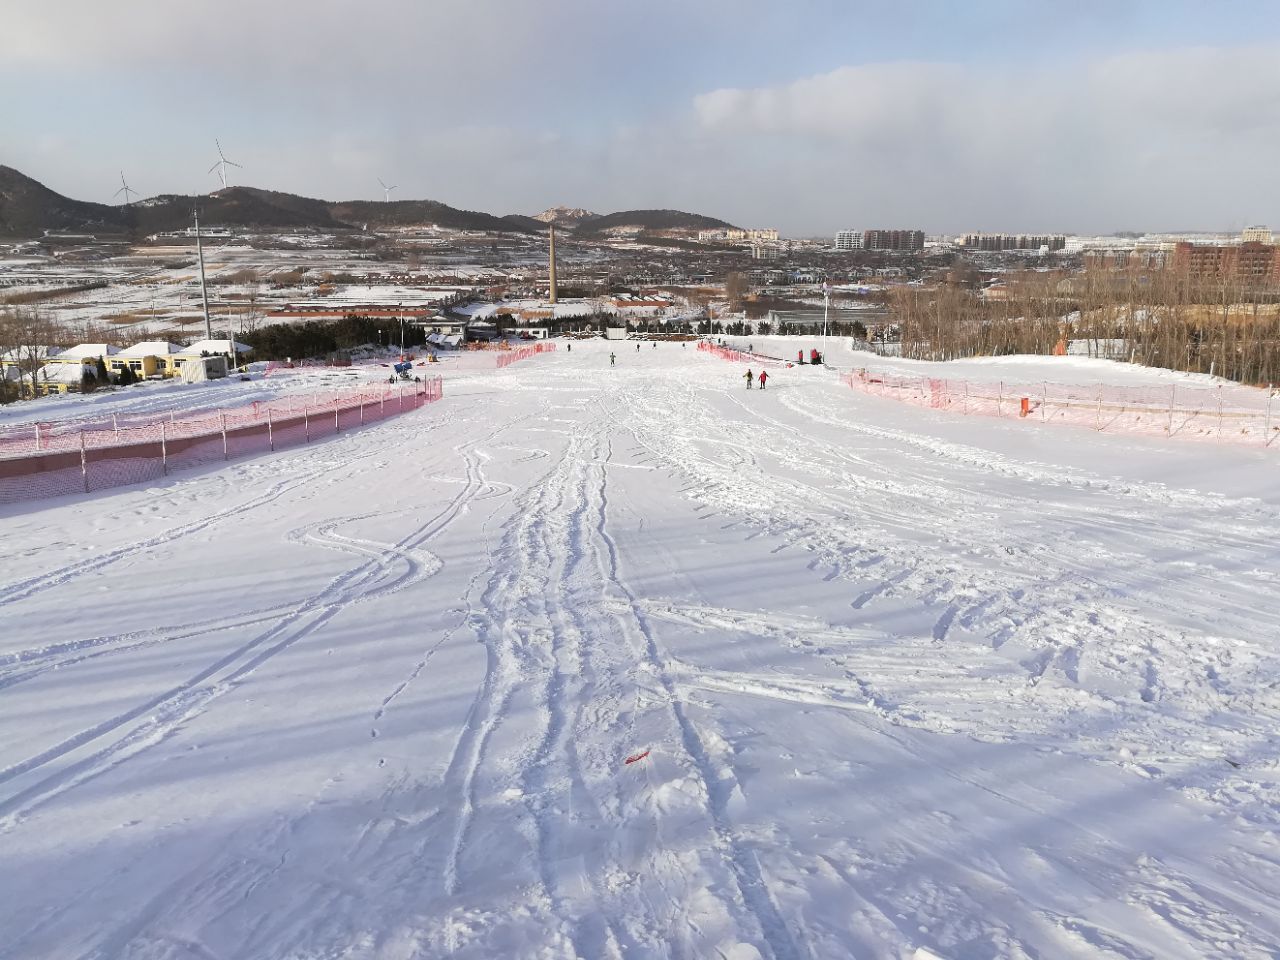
column 749, row 376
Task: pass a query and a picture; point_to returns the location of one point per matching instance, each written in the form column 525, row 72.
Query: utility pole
column 204, row 292
column 552, row 258
column 826, row 315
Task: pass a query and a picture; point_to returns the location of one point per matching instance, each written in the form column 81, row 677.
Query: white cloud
column 507, row 105
column 1155, row 139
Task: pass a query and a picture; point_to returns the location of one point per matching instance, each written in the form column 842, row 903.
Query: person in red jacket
column 764, row 375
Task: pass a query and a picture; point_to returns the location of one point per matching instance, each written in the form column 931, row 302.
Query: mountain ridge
column 28, row 208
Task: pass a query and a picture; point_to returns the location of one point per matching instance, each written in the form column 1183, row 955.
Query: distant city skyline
column 809, row 118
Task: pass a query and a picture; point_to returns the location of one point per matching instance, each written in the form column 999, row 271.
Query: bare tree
column 33, row 335
column 10, row 341
column 735, row 290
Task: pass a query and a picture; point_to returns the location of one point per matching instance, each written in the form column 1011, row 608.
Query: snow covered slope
column 910, row 686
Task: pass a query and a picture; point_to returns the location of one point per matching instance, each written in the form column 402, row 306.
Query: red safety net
column 80, row 456
column 1227, row 414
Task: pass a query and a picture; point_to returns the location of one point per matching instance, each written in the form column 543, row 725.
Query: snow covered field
column 910, row 684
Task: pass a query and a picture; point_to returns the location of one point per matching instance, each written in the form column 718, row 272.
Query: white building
column 849, row 240
column 734, row 235
column 1258, row 234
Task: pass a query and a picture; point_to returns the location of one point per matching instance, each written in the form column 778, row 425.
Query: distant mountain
column 28, row 208
column 520, row 222
column 408, row 213
column 566, row 216
column 649, row 221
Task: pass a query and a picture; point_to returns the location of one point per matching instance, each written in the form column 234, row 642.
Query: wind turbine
column 125, row 189
column 222, row 164
column 386, row 191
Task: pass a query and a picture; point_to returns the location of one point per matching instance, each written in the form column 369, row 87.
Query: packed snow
column 894, row 684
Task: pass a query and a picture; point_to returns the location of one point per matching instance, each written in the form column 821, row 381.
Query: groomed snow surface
column 911, row 685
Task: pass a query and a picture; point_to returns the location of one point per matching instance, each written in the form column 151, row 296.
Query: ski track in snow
column 830, row 780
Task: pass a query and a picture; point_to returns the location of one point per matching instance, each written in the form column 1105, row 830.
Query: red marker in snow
column 636, row 757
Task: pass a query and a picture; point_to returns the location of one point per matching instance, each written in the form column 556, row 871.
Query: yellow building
column 62, row 377
column 84, row 353
column 147, row 359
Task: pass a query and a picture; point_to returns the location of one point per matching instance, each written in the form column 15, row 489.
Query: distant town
column 108, row 298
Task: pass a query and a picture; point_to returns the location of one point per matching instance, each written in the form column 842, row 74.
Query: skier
column 655, row 344
column 764, row 375
column 612, row 359
column 637, row 348
column 747, row 375
column 569, row 347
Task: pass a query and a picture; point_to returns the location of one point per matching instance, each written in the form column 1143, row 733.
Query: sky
column 809, row 116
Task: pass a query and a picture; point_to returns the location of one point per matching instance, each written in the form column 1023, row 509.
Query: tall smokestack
column 553, row 263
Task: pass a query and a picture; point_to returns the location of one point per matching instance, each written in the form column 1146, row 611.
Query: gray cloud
column 513, row 106
column 1161, row 139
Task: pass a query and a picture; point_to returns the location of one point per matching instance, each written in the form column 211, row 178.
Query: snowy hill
column 892, row 683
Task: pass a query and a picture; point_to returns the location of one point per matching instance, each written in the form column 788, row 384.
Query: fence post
column 401, row 391
column 337, row 425
column 362, row 409
column 306, row 425
column 966, row 397
column 1097, row 420
column 164, row 447
column 222, row 418
column 1044, row 401
column 1000, row 399
column 37, row 437
column 115, row 425
column 1219, row 414
column 1173, row 390
column 382, row 402
column 271, row 440
column 84, row 463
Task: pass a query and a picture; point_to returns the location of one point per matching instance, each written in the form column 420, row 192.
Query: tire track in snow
column 164, row 712
column 21, row 589
column 743, row 863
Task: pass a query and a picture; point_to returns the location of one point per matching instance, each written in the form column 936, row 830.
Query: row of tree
column 320, row 338
column 1225, row 327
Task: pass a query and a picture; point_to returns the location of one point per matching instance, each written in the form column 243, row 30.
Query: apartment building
column 995, row 242
column 1251, row 262
column 894, row 240
column 849, row 240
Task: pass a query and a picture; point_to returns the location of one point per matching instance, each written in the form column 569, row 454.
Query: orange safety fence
column 81, row 456
column 523, row 353
column 737, row 356
column 1234, row 415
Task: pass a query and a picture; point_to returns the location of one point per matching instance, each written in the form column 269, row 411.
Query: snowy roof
column 64, row 373
column 88, row 351
column 152, row 348
column 20, row 354
column 476, row 309
column 213, row 346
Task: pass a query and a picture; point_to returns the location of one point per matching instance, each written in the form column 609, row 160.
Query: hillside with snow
column 626, row 661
